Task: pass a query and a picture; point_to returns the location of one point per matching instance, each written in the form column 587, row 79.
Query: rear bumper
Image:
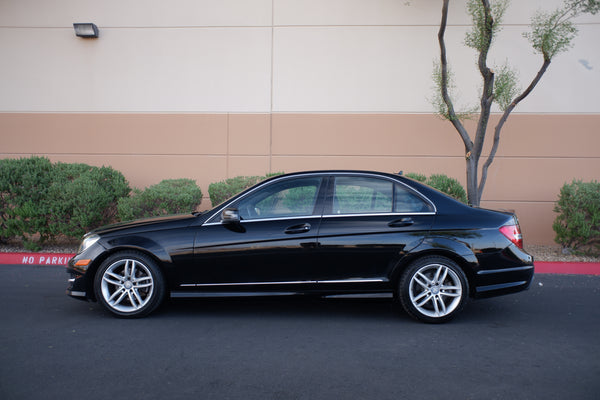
column 515, row 275
column 503, row 281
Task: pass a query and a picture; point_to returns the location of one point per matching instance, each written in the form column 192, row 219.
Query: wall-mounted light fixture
column 88, row 30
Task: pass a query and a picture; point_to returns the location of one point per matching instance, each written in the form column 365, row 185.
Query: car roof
column 337, row 172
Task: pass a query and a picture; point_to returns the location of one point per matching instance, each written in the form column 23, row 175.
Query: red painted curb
column 541, row 267
column 579, row 268
column 35, row 258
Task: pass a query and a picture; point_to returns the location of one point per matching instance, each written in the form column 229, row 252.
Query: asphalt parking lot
column 539, row 344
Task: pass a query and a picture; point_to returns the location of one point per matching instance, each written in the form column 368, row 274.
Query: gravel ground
column 58, row 246
column 555, row 253
column 539, row 252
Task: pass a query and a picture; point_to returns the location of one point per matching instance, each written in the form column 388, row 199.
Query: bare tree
column 550, row 34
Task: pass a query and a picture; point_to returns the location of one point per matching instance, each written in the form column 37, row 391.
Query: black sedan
column 319, row 233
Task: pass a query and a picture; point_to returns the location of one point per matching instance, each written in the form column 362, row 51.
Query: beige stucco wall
column 539, row 152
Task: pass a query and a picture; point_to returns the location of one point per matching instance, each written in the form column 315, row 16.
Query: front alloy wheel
column 433, row 289
column 129, row 285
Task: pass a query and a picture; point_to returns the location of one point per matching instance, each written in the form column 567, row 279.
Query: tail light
column 513, row 233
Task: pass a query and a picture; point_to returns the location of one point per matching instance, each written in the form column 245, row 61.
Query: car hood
column 147, row 223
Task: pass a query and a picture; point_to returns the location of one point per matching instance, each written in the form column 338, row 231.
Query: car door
column 368, row 222
column 273, row 242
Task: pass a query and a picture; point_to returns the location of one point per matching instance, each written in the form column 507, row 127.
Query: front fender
column 83, row 274
column 140, row 243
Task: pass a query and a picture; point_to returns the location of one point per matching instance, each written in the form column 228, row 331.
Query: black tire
column 433, row 289
column 129, row 284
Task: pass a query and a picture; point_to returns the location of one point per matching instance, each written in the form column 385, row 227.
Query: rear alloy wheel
column 129, row 284
column 433, row 289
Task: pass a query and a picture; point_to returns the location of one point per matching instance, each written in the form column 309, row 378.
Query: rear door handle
column 401, row 222
column 298, row 229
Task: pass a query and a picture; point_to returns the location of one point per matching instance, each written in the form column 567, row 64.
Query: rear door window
column 367, row 195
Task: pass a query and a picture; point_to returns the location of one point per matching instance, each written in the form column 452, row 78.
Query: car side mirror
column 230, row 216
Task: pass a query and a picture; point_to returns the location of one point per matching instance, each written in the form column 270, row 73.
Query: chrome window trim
column 246, row 221
column 377, row 214
column 358, row 280
column 210, row 221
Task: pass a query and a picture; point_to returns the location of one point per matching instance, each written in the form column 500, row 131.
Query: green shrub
column 170, row 196
column 82, row 198
column 41, row 200
column 443, row 183
column 221, row 191
column 417, row 177
column 577, row 225
column 24, row 184
column 450, row 186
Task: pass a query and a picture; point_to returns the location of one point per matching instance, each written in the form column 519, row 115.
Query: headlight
column 87, row 243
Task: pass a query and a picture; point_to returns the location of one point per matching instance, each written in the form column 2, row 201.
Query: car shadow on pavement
column 288, row 306
column 365, row 308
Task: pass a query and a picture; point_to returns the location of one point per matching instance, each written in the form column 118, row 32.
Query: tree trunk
column 472, row 193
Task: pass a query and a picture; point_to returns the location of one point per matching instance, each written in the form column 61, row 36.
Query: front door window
column 289, row 198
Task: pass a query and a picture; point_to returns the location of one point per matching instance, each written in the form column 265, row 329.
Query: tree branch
column 444, row 81
column 509, row 109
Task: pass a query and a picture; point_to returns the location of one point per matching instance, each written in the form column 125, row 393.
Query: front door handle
column 401, row 222
column 298, row 229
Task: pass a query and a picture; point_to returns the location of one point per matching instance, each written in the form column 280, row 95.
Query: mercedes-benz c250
column 319, row 233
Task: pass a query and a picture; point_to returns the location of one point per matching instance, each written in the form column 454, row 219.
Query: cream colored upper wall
column 152, row 56
column 181, row 13
column 129, row 70
column 388, row 69
column 135, row 13
column 331, row 69
column 357, row 12
column 396, row 12
column 336, row 56
column 266, row 56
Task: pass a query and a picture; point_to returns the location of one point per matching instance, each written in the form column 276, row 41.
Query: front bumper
column 72, row 289
column 81, row 270
column 77, row 282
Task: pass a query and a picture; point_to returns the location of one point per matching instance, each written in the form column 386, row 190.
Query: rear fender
column 455, row 250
